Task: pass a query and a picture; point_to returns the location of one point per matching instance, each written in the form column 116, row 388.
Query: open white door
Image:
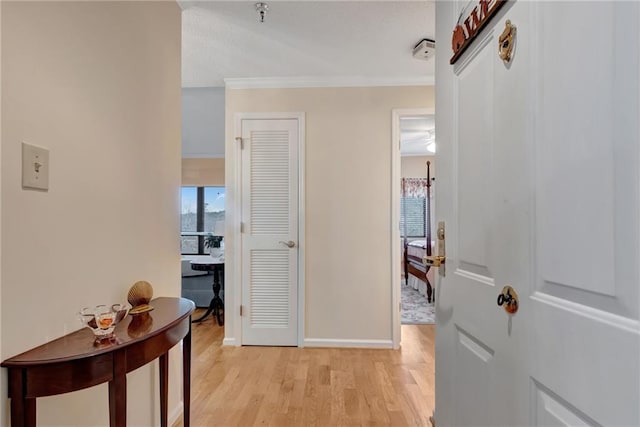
column 539, row 187
column 270, row 231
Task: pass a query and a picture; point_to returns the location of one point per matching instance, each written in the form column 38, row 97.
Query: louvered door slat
column 269, row 288
column 269, row 182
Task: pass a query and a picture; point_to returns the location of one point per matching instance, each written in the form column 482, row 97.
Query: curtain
column 414, row 187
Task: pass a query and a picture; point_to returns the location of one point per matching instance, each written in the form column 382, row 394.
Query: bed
column 416, row 274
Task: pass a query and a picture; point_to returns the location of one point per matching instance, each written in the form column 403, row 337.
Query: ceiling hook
column 262, row 9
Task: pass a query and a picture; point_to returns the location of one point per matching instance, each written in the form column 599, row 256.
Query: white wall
column 203, row 122
column 98, row 84
column 348, row 202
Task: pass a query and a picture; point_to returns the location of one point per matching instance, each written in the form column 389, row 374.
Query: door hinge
column 239, row 139
column 241, row 310
column 242, row 227
column 399, row 306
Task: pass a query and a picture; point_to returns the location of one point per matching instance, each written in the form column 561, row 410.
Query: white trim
column 479, row 278
column 341, row 343
column 176, row 412
column 301, row 226
column 426, row 153
column 237, row 241
column 238, row 117
column 611, row 319
column 396, row 175
column 333, row 81
column 229, row 341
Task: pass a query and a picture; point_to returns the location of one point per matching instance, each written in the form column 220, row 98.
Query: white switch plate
column 35, row 167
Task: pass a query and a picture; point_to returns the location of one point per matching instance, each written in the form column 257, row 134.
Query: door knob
column 289, row 244
column 434, row 261
column 508, row 298
column 437, row 260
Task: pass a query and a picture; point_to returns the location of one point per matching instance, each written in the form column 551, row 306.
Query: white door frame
column 237, row 209
column 396, row 175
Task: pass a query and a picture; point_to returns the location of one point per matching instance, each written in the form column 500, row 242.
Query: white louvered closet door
column 270, row 222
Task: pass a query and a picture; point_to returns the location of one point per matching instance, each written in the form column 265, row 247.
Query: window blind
column 413, row 213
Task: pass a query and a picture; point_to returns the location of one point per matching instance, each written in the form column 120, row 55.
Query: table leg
column 211, row 308
column 429, row 287
column 186, row 377
column 164, row 389
column 216, row 306
column 23, row 410
column 118, row 391
column 218, row 309
column 30, row 404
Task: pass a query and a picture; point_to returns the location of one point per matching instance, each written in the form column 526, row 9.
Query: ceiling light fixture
column 262, row 9
column 431, row 141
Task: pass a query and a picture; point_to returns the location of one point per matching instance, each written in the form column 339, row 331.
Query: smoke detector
column 425, row 49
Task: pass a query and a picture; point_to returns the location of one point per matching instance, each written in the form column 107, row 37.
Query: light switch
column 35, row 167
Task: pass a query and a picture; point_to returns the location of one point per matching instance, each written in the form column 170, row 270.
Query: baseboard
column 337, row 343
column 177, row 411
column 229, row 341
column 340, row 343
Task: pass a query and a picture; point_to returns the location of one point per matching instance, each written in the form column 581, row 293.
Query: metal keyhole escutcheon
column 508, row 299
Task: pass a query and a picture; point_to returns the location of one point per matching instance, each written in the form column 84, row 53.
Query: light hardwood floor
column 288, row 386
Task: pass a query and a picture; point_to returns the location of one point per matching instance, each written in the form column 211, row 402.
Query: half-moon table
column 73, row 362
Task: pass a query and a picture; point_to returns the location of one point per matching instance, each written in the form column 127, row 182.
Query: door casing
column 396, row 176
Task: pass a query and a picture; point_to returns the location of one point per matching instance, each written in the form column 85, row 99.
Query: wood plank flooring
column 288, row 386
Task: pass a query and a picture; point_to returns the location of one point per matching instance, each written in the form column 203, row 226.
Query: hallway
column 289, row 386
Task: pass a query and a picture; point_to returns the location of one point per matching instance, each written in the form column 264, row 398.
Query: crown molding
column 315, row 82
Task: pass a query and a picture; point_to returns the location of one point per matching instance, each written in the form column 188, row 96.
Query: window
column 202, row 208
column 413, row 212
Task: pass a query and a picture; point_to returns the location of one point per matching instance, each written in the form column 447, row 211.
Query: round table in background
column 215, row 265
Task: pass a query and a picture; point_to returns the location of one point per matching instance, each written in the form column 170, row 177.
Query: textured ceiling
column 416, row 135
column 348, row 39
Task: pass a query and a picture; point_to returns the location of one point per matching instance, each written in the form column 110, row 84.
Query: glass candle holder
column 102, row 319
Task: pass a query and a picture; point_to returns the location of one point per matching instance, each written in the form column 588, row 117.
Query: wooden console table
column 73, row 362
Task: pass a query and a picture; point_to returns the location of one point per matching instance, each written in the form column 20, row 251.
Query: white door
column 270, row 231
column 539, row 186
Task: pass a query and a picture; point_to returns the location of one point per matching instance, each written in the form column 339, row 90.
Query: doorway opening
column 413, row 204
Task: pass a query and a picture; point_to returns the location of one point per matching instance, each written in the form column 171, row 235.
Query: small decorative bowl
column 102, row 319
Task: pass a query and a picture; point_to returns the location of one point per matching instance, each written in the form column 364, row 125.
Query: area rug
column 415, row 308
